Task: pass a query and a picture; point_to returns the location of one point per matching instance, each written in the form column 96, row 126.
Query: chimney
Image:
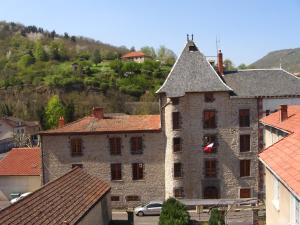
column 98, row 112
column 220, row 63
column 61, row 122
column 283, row 112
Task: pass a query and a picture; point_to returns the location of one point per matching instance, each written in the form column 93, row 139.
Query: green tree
column 5, row 110
column 149, row 51
column 39, row 52
column 166, row 56
column 174, row 213
column 54, row 110
column 96, row 57
column 26, row 60
column 70, row 112
column 242, row 66
column 215, row 217
column 228, row 65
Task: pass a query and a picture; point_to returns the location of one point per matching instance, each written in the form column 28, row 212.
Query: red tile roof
column 114, row 124
column 283, row 157
column 21, row 162
column 134, row 55
column 66, row 199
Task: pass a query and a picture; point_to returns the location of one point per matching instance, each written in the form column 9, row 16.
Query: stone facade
column 97, row 160
column 228, row 180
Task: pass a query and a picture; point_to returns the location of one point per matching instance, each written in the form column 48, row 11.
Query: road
column 233, row 218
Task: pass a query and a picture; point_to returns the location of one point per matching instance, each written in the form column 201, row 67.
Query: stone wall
column 192, row 157
column 96, row 159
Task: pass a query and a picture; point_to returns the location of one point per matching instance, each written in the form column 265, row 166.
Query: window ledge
column 117, row 181
column 247, row 177
column 140, row 180
column 276, row 204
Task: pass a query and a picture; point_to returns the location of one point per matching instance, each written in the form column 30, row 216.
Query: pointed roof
column 192, row 73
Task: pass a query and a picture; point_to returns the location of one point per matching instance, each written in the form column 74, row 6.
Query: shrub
column 215, row 217
column 174, row 213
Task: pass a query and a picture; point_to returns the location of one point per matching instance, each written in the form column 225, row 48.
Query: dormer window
column 193, row 48
column 209, row 97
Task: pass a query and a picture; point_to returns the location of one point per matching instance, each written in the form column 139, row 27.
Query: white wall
column 22, row 184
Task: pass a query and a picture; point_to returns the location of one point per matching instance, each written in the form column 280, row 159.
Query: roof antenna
column 187, row 37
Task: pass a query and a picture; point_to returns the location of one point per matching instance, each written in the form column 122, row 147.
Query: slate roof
column 192, row 73
column 283, row 157
column 263, row 82
column 63, row 201
column 114, row 124
column 21, row 162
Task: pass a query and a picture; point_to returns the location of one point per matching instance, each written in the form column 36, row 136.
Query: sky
column 246, row 29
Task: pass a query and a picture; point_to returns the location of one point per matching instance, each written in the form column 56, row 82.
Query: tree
column 132, row 49
column 96, row 57
column 166, row 56
column 215, row 217
column 5, row 110
column 54, row 110
column 26, row 60
column 242, row 66
column 39, row 52
column 70, row 112
column 228, row 65
column 174, row 213
column 149, row 51
column 66, row 35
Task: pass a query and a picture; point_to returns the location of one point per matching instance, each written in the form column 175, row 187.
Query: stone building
column 156, row 156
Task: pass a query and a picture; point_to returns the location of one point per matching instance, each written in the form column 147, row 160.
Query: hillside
column 36, row 64
column 290, row 60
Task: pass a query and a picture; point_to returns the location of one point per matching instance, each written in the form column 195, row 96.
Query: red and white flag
column 208, row 148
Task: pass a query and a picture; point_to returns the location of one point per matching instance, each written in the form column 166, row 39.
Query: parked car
column 151, row 208
column 14, row 200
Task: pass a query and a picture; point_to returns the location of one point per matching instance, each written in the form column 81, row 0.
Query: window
column 209, row 117
column 176, row 120
column 177, row 144
column 154, row 205
column 116, row 171
column 77, row 165
column 245, row 168
column 210, row 138
column 115, row 145
column 210, row 192
column 244, row 143
column 136, row 145
column 175, row 101
column 244, row 116
column 276, row 192
column 178, row 192
column 177, row 170
column 137, row 171
column 115, row 198
column 76, row 146
column 209, row 97
column 131, row 198
column 210, row 168
column 245, row 193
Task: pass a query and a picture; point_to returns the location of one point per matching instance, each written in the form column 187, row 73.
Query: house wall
column 273, row 104
column 21, row 184
column 228, row 181
column 96, row 159
column 272, row 135
column 100, row 214
column 6, row 131
column 274, row 215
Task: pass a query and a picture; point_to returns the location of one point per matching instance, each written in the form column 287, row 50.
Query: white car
column 151, row 208
column 14, row 200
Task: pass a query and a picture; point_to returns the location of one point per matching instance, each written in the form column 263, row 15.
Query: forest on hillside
column 36, row 64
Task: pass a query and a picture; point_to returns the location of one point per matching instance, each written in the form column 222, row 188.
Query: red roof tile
column 67, row 198
column 133, row 55
column 283, row 157
column 21, row 162
column 127, row 123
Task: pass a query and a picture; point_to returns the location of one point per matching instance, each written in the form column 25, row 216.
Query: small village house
column 138, row 57
column 20, row 172
column 11, row 128
column 74, row 198
column 281, row 159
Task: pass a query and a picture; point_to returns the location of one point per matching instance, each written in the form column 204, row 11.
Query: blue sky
column 247, row 29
